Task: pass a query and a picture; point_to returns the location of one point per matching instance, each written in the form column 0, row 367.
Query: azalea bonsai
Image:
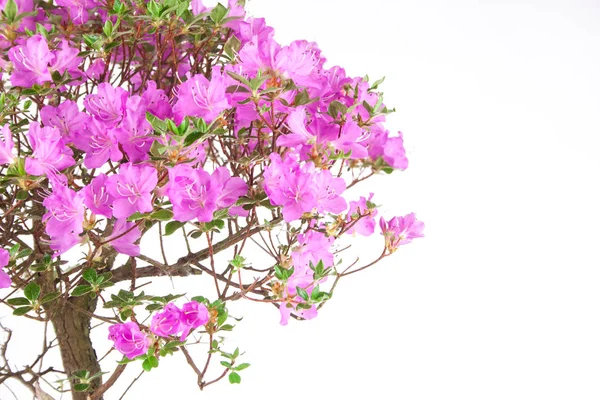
column 128, row 123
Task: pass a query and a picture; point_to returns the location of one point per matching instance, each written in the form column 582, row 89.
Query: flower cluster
column 125, row 120
column 132, row 342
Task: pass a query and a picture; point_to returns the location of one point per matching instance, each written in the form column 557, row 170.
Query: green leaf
column 153, row 361
column 146, row 365
column 172, row 227
column 24, row 253
column 22, row 195
column 241, row 367
column 218, row 13
column 302, row 293
column 18, row 301
column 162, row 215
column 81, row 290
column 32, row 291
column 48, row 297
column 154, row 307
column 192, row 138
column 22, row 310
column 226, row 364
column 14, row 250
column 136, row 216
column 377, row 83
column 11, row 10
column 81, row 387
column 90, row 275
column 234, row 377
column 239, row 78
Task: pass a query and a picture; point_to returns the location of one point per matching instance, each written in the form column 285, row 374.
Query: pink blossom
column 193, row 193
column 5, row 280
column 290, row 185
column 199, row 97
column 132, row 189
column 128, row 339
column 108, row 105
column 135, row 132
column 124, row 236
column 50, row 154
column 365, row 225
column 313, row 246
column 194, row 315
column 167, row 322
column 31, row 62
column 99, row 143
column 66, row 118
column 329, row 190
column 66, row 60
column 400, row 230
column 96, row 69
column 6, row 146
column 78, row 9
column 157, row 101
column 97, row 198
column 394, row 153
column 64, row 217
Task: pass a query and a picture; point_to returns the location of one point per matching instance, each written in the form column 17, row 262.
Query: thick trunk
column 72, row 328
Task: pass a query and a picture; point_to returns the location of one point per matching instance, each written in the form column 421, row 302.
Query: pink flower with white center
column 99, row 143
column 128, row 339
column 97, row 198
column 132, row 189
column 108, row 105
column 199, row 97
column 193, row 193
column 64, row 218
column 50, row 155
column 401, row 230
column 66, row 118
column 167, row 322
column 135, row 132
column 31, row 61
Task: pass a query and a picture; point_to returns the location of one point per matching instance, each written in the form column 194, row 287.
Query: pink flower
column 167, row 322
column 394, row 153
column 199, row 97
column 99, row 143
column 157, row 101
column 231, row 188
column 313, row 246
column 401, row 230
column 78, row 9
column 193, row 193
column 66, row 118
column 135, row 132
column 108, row 105
column 366, row 225
column 96, row 69
column 128, row 339
column 31, row 62
column 329, row 190
column 125, row 235
column 290, row 185
column 6, row 146
column 97, row 198
column 50, row 155
column 194, row 315
column 66, row 60
column 5, row 280
column 132, row 189
column 64, row 218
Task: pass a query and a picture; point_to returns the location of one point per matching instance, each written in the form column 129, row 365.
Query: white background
column 499, row 103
